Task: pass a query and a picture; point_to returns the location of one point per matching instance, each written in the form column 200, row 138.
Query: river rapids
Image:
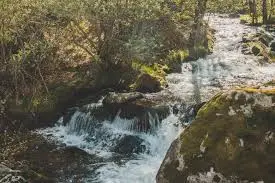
column 139, row 162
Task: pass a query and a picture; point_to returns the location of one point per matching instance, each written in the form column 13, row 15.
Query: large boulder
column 231, row 140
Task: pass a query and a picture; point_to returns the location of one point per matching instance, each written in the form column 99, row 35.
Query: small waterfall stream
column 134, row 156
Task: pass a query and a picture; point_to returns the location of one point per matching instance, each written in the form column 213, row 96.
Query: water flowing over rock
column 132, row 134
column 233, row 133
column 121, row 98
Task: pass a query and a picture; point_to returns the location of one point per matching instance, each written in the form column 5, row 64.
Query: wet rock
column 272, row 54
column 265, row 39
column 189, row 113
column 232, row 136
column 143, row 112
column 121, row 98
column 179, row 108
column 272, row 46
column 256, row 50
column 247, row 38
column 258, row 45
column 175, row 67
column 147, row 84
column 39, row 160
column 129, row 144
column 216, row 178
column 133, row 106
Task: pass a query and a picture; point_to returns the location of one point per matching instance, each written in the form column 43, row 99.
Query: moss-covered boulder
column 146, row 83
column 231, row 140
column 256, row 50
column 259, row 44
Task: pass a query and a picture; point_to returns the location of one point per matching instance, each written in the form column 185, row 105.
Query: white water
column 225, row 68
column 141, row 168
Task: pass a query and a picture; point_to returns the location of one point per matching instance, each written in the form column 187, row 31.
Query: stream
column 143, row 152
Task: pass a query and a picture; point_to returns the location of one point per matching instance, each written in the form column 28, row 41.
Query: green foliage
column 178, row 55
column 247, row 19
column 252, row 9
column 226, row 6
column 155, row 70
column 45, row 43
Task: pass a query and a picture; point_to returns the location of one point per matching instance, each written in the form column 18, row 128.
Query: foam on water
column 142, row 168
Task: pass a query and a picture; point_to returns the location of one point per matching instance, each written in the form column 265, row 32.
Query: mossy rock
column 147, row 84
column 265, row 39
column 256, row 50
column 270, row 83
column 232, row 138
column 175, row 59
column 256, row 44
column 154, row 71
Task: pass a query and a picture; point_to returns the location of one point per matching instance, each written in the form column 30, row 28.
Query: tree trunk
column 264, row 11
column 197, row 28
column 271, row 9
column 254, row 13
column 252, row 10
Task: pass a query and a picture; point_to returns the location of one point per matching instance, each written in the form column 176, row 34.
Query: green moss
column 270, row 83
column 221, row 133
column 258, row 48
column 215, row 103
column 157, row 71
column 255, row 90
column 201, row 51
column 177, row 55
